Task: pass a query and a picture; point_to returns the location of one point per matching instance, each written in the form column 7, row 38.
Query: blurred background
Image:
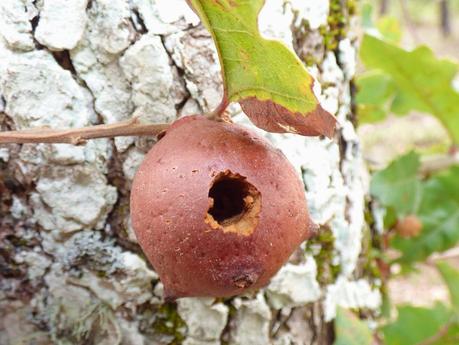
column 390, row 131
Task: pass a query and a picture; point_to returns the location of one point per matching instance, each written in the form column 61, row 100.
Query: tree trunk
column 383, row 7
column 445, row 17
column 71, row 270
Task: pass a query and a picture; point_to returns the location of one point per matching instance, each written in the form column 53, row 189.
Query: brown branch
column 447, row 255
column 438, row 163
column 76, row 136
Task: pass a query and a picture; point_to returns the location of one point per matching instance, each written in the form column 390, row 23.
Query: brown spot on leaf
column 222, row 3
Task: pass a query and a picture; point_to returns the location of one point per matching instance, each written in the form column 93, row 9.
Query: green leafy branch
column 438, row 325
column 399, row 81
column 403, row 191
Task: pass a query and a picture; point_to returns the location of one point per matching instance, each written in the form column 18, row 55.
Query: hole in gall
column 234, row 204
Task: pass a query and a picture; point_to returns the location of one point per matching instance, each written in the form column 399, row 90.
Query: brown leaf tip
column 275, row 118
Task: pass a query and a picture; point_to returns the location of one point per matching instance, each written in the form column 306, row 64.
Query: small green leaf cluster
column 434, row 201
column 437, row 325
column 403, row 191
column 398, row 81
column 349, row 330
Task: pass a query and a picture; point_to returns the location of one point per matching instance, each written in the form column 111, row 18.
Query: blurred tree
column 384, row 7
column 445, row 17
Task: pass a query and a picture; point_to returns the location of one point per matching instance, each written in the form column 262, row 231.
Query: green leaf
column 423, row 82
column 390, row 29
column 264, row 76
column 434, row 202
column 374, row 91
column 349, row 330
column 451, row 337
column 451, row 278
column 415, row 324
column 367, row 16
column 397, row 186
column 439, row 214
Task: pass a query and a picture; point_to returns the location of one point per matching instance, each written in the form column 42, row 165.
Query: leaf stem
column 219, row 114
column 77, row 136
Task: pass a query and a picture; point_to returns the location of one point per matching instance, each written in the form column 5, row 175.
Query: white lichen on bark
column 294, row 285
column 350, row 294
column 102, row 61
column 38, row 92
column 251, row 322
column 314, row 12
column 205, row 319
column 154, row 90
column 61, row 24
column 15, row 26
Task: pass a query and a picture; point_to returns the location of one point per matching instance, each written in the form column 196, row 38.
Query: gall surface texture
column 216, row 209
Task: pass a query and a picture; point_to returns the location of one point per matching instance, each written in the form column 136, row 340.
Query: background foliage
column 418, row 192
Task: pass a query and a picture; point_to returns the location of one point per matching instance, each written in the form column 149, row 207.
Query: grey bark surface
column 71, row 271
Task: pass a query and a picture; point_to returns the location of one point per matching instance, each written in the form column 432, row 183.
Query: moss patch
column 163, row 324
column 321, row 247
column 337, row 23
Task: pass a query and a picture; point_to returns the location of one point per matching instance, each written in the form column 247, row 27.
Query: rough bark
column 70, row 268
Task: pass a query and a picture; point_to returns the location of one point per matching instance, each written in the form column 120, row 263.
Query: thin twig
column 219, row 114
column 438, row 163
column 449, row 254
column 76, row 136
